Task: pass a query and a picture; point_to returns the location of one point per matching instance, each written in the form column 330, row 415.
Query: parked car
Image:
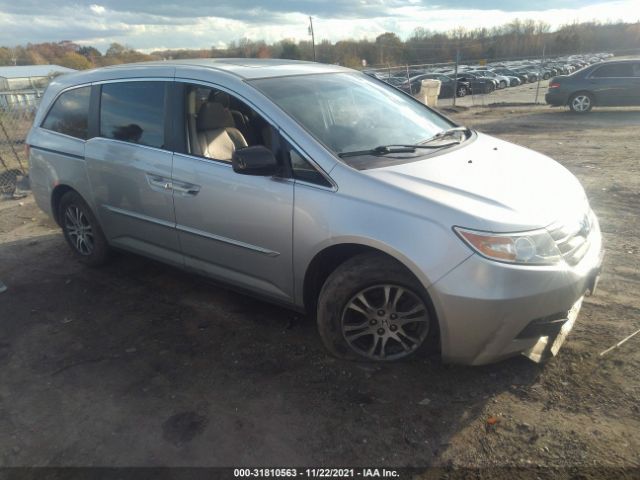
column 394, row 81
column 477, row 82
column 523, row 77
column 447, row 85
column 532, row 76
column 325, row 190
column 514, row 81
column 610, row 83
column 502, row 81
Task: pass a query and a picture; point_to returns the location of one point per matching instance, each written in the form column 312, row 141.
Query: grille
column 573, row 239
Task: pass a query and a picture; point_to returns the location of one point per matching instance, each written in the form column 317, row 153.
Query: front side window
column 217, row 124
column 614, row 70
column 303, row 170
column 133, row 112
column 349, row 112
column 70, row 113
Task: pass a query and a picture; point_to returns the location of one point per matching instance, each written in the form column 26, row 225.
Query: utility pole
column 313, row 38
column 540, row 73
column 455, row 85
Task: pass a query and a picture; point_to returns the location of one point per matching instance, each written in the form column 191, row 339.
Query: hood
column 492, row 185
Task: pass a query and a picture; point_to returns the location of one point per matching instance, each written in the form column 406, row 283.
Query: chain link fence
column 17, row 110
column 477, row 85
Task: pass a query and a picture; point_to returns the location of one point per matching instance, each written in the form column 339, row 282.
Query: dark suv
column 614, row 83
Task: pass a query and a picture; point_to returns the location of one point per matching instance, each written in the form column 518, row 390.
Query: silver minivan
column 323, row 189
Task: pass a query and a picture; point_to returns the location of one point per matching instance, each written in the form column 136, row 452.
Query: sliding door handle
column 158, row 181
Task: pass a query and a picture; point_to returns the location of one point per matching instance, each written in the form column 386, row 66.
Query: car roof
column 625, row 60
column 243, row 68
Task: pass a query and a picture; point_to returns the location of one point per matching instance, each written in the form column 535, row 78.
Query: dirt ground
column 139, row 364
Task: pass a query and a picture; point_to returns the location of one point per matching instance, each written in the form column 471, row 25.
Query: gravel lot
column 139, row 364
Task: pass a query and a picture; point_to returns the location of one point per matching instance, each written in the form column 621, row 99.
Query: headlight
column 528, row 248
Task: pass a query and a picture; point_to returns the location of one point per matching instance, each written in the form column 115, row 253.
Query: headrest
column 213, row 116
column 222, row 98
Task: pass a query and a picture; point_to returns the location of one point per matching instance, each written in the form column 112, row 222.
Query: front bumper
column 489, row 311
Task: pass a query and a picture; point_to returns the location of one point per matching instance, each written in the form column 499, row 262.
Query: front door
column 635, row 84
column 612, row 83
column 232, row 227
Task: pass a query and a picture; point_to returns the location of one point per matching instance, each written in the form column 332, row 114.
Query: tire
column 503, row 84
column 581, row 102
column 462, row 91
column 394, row 322
column 82, row 231
column 546, row 76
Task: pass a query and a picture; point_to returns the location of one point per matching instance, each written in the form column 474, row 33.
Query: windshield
column 349, row 111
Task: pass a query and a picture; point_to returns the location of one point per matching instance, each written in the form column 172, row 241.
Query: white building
column 21, row 86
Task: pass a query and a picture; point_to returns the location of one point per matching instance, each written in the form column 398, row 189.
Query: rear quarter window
column 69, row 114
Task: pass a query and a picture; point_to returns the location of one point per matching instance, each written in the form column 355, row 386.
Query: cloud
column 98, row 9
column 245, row 10
column 154, row 24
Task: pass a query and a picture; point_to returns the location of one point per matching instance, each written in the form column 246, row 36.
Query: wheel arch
column 331, row 257
column 56, row 195
column 327, row 259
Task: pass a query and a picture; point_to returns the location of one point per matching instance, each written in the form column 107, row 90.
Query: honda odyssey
column 328, row 191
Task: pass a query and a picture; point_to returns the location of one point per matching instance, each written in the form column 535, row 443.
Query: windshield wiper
column 387, row 149
column 445, row 133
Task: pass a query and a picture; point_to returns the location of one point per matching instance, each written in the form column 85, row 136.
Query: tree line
column 517, row 39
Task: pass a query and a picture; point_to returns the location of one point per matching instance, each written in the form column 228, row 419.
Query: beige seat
column 217, row 136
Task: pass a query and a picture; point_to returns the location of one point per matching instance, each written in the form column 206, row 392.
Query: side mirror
column 256, row 160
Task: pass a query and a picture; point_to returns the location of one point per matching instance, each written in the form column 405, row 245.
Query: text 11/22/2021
column 315, row 473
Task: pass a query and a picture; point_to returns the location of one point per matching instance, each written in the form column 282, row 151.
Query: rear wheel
column 371, row 308
column 81, row 230
column 462, row 91
column 581, row 102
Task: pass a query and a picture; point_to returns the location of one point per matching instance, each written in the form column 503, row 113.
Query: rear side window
column 133, row 112
column 614, row 70
column 70, row 113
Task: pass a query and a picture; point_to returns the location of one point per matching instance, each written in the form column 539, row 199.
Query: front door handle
column 186, row 189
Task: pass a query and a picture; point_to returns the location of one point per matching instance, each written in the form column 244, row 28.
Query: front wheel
column 81, row 230
column 371, row 308
column 581, row 103
column 462, row 91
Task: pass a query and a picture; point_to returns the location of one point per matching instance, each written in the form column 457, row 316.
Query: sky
column 158, row 24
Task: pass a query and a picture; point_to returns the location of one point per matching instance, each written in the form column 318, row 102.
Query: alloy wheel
column 79, row 231
column 385, row 322
column 581, row 103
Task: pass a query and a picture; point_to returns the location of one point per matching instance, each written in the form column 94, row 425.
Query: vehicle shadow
column 137, row 363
